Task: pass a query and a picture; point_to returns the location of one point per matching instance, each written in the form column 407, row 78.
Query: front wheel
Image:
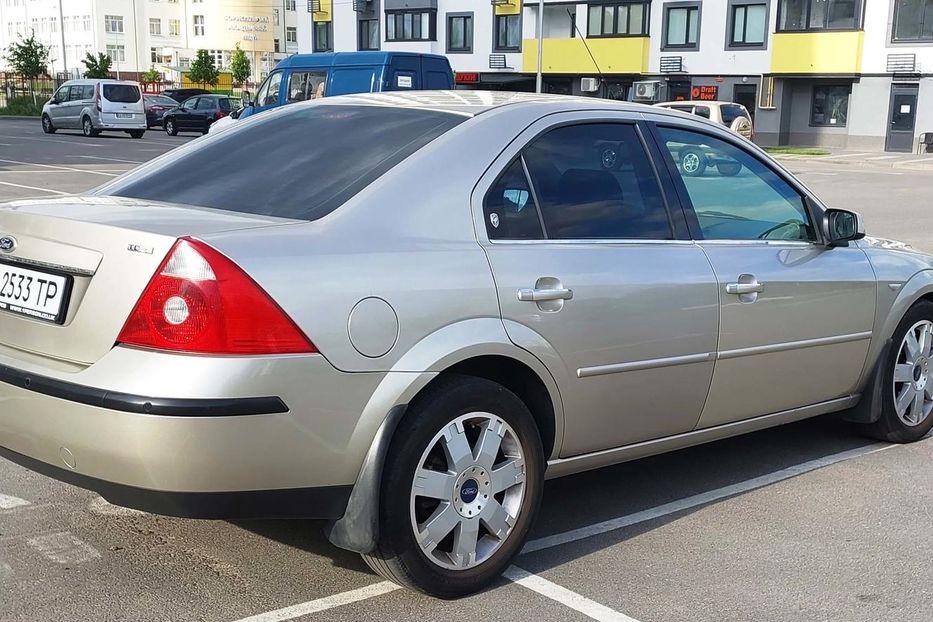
column 170, row 128
column 87, row 128
column 463, row 482
column 136, row 133
column 907, row 400
column 47, row 126
column 692, row 162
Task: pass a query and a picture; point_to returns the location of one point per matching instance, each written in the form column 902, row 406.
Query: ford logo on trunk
column 7, row 244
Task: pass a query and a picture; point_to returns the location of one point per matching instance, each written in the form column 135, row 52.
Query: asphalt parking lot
column 801, row 523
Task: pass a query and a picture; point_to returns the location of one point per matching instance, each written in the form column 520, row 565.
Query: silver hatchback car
column 407, row 311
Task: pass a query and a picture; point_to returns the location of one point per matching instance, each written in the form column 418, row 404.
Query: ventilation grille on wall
column 497, row 61
column 362, row 5
column 672, row 64
column 314, row 6
column 902, row 63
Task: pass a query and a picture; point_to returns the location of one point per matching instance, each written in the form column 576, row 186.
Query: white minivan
column 93, row 106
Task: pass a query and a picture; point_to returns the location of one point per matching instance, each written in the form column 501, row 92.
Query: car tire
column 692, row 162
column 449, row 422
column 87, row 128
column 47, row 126
column 729, row 169
column 136, row 133
column 170, row 128
column 908, row 373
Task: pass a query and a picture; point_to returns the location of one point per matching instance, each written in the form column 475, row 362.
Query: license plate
column 124, row 115
column 32, row 293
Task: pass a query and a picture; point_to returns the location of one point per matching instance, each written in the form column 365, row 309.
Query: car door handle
column 744, row 288
column 539, row 295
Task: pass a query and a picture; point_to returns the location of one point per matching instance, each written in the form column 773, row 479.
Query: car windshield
column 121, row 93
column 161, row 100
column 302, row 162
column 731, row 112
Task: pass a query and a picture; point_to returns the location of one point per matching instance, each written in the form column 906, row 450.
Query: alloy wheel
column 690, row 162
column 913, row 385
column 468, row 491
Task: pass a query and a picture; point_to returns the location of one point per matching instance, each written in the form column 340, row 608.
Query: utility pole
column 61, row 25
column 539, row 83
column 136, row 40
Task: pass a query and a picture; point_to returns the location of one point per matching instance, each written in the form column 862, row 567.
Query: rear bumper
column 129, row 125
column 236, row 438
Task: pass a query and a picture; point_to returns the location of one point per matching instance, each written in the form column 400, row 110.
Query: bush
column 23, row 106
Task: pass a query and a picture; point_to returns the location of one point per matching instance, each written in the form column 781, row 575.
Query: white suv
column 732, row 115
column 96, row 105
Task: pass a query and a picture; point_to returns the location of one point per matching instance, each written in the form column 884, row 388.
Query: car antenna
column 583, row 40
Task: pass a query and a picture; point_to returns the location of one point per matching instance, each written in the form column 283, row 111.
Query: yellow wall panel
column 326, row 12
column 817, row 52
column 569, row 55
column 514, row 7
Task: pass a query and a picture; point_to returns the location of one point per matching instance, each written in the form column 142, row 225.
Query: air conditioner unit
column 589, row 85
column 646, row 90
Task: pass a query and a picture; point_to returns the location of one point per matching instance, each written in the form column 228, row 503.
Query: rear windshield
column 121, row 93
column 301, row 162
column 731, row 112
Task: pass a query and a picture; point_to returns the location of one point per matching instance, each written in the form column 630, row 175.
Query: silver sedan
column 401, row 313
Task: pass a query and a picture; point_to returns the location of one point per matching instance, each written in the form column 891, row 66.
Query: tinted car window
column 205, row 103
column 77, row 93
column 595, row 181
column 510, row 208
column 289, row 174
column 121, row 93
column 88, row 91
column 304, row 85
column 223, row 103
column 731, row 112
column 735, row 195
column 702, row 111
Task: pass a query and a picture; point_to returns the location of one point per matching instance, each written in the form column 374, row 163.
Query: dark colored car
column 196, row 114
column 156, row 105
column 180, row 95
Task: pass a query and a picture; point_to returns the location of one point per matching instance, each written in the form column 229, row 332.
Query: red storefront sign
column 705, row 93
column 467, row 78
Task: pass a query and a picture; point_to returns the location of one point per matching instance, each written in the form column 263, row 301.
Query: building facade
column 854, row 74
column 165, row 34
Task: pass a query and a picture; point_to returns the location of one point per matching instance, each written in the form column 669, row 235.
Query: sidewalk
column 907, row 161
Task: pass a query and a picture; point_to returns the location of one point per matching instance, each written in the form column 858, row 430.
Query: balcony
column 619, row 55
column 823, row 53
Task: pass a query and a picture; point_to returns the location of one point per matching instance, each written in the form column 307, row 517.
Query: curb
column 16, row 117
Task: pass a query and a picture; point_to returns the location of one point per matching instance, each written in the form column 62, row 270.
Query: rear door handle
column 744, row 288
column 540, row 295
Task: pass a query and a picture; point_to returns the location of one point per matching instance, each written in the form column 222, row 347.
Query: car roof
column 699, row 102
column 329, row 59
column 477, row 102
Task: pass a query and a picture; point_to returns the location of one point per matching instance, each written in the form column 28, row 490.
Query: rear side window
column 205, row 103
column 121, row 93
column 510, row 210
column 301, row 162
column 595, row 181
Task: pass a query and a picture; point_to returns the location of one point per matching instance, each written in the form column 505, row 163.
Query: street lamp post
column 539, row 81
column 61, row 24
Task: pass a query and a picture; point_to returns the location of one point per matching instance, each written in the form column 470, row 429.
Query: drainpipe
column 540, row 26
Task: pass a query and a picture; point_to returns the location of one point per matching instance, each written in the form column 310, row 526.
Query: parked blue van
column 307, row 76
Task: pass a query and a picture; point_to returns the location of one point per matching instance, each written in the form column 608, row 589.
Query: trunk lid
column 108, row 248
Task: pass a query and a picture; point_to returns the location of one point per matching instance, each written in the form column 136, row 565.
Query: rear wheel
column 136, row 133
column 907, row 400
column 692, row 162
column 463, row 481
column 47, row 126
column 87, row 127
column 170, row 128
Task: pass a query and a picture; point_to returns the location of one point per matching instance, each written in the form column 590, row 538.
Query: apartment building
column 841, row 73
column 165, row 34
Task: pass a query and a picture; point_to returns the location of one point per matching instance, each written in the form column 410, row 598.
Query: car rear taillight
column 97, row 96
column 200, row 302
column 220, row 114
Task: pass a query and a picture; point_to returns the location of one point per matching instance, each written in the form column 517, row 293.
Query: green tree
column 30, row 58
column 239, row 66
column 152, row 75
column 203, row 71
column 97, row 66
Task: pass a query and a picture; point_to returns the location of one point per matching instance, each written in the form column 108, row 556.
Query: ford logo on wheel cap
column 7, row 244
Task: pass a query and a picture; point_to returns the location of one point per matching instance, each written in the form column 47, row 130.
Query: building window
column 411, row 25
column 86, row 23
column 155, row 26
column 291, row 35
column 113, row 23
column 681, row 26
column 184, row 62
column 460, row 32
column 53, row 24
column 276, row 46
column 614, row 20
column 117, row 53
column 830, row 106
column 913, row 20
column 198, row 25
column 749, row 25
column 154, row 55
column 289, row 5
column 174, row 27
column 508, row 32
column 218, row 56
column 322, row 37
column 368, row 34
column 796, row 15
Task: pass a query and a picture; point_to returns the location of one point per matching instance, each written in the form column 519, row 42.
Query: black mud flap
column 868, row 410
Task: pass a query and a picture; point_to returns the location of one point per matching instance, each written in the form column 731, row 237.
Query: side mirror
column 842, row 226
column 246, row 99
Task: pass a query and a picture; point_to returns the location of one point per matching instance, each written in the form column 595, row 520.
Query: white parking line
column 83, row 143
column 691, row 502
column 112, row 159
column 63, row 548
column 846, row 155
column 323, row 604
column 8, row 503
column 568, row 598
column 7, row 183
column 60, row 168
